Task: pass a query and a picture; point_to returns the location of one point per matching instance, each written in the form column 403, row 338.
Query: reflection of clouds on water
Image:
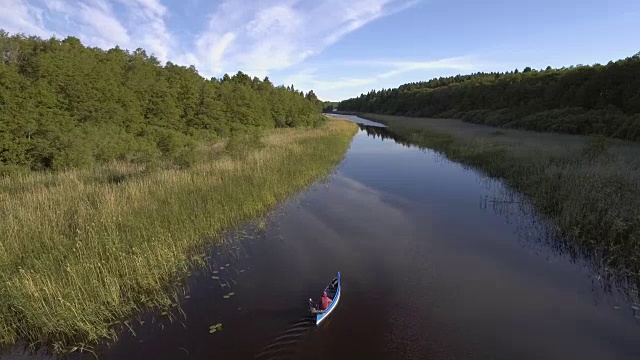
column 469, row 276
column 534, row 233
column 348, row 214
column 372, row 200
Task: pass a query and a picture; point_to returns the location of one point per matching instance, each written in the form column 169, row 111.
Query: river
column 437, row 260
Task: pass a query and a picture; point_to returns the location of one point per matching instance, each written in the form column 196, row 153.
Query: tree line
column 597, row 99
column 64, row 105
column 328, row 106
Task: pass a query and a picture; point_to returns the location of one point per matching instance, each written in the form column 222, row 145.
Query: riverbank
column 590, row 186
column 81, row 251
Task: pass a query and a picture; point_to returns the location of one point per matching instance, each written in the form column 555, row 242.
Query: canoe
column 333, row 292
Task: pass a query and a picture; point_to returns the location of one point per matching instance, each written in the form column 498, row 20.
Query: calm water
column 438, row 262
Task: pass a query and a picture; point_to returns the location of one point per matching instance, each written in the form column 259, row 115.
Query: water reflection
column 384, row 133
column 539, row 234
column 437, row 261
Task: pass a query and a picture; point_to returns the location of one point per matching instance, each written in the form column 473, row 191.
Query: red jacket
column 324, row 302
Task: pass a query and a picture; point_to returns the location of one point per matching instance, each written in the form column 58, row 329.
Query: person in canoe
column 324, row 302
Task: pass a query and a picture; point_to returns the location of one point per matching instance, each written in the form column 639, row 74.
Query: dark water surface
column 436, row 264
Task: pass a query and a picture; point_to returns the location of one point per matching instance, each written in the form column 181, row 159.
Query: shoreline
column 589, row 186
column 85, row 250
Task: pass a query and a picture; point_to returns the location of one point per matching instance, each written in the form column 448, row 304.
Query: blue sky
column 342, row 48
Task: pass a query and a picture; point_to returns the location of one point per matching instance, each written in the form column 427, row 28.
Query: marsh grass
column 589, row 186
column 81, row 251
column 241, row 144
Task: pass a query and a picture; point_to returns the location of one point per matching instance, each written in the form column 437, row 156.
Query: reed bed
column 82, row 251
column 589, row 186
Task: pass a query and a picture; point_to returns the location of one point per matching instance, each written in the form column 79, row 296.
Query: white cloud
column 270, row 35
column 257, row 37
column 210, row 49
column 358, row 13
column 57, row 6
column 95, row 22
column 309, row 78
column 312, row 78
column 461, row 63
column 147, row 23
column 17, row 16
column 100, row 27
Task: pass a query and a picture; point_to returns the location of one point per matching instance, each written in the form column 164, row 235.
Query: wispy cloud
column 19, row 16
column 253, row 36
column 257, row 37
column 326, row 83
column 462, row 63
column 98, row 25
column 95, row 22
column 147, row 24
column 260, row 36
column 310, row 78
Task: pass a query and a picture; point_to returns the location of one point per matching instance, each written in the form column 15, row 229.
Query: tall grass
column 590, row 186
column 83, row 250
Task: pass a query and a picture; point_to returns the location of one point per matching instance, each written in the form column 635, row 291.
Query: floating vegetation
column 215, row 328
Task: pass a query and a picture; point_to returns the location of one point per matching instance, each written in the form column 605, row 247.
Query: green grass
column 589, row 186
column 81, row 251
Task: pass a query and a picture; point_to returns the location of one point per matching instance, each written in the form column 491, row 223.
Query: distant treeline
column 65, row 105
column 598, row 99
column 328, row 106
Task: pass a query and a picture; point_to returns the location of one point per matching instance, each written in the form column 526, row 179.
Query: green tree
column 598, row 99
column 66, row 105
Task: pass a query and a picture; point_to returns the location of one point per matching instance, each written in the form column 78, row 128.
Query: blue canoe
column 333, row 292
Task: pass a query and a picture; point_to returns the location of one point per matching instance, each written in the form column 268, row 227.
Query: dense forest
column 598, row 99
column 64, row 105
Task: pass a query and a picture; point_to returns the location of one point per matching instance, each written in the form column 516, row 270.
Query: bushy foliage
column 64, row 105
column 597, row 100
